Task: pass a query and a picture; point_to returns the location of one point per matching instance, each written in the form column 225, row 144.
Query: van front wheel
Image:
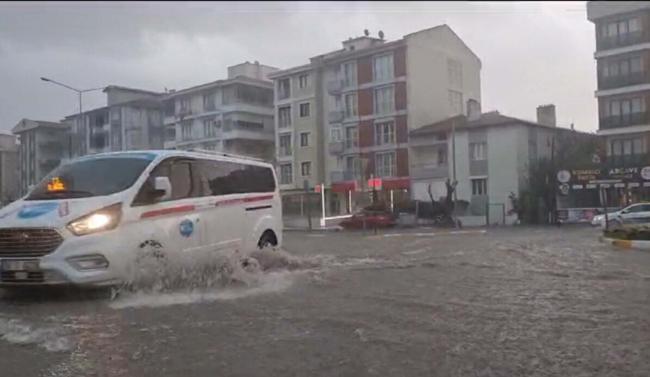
column 268, row 239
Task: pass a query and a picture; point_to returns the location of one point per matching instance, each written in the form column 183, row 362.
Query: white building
column 131, row 119
column 492, row 158
column 234, row 115
column 42, row 147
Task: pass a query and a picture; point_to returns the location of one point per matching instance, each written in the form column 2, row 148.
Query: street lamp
column 79, row 93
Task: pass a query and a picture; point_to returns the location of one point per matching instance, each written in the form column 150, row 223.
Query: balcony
column 625, row 120
column 620, row 81
column 334, row 87
column 183, row 112
column 51, row 145
column 285, row 152
column 351, row 143
column 421, row 171
column 335, row 116
column 617, row 161
column 344, row 175
column 621, row 40
column 336, row 147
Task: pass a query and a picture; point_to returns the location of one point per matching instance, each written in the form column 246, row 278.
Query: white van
column 88, row 217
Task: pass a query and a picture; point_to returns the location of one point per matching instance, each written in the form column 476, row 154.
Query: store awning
column 402, row 183
column 344, row 186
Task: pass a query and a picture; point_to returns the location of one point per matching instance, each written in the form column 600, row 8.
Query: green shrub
column 634, row 233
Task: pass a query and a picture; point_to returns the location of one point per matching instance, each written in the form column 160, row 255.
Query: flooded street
column 506, row 302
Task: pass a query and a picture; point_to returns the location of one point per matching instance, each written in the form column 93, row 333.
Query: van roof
column 176, row 152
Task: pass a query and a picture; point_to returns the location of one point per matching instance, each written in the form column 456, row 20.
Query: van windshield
column 90, row 177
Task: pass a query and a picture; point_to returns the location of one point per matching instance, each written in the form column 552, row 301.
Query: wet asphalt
column 541, row 301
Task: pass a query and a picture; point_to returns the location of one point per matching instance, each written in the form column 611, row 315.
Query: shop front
column 583, row 193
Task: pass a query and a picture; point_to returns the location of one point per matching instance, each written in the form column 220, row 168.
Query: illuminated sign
column 56, row 184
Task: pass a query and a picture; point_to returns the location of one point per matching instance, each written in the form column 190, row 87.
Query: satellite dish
column 366, row 32
column 381, row 34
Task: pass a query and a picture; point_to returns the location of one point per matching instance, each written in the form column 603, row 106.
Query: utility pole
column 453, row 154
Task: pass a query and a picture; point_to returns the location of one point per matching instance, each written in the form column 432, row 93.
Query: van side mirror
column 162, row 189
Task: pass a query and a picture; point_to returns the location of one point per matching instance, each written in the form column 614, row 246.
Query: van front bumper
column 63, row 267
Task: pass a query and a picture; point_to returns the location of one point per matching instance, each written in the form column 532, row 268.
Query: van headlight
column 103, row 219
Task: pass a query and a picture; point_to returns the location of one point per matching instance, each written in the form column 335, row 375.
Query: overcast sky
column 532, row 53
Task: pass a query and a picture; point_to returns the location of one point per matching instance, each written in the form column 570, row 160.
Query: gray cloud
column 532, row 53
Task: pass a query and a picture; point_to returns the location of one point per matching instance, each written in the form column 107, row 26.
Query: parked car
column 638, row 213
column 371, row 219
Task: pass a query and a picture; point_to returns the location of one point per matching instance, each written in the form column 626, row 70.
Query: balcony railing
column 344, row 175
column 334, row 87
column 284, row 93
column 620, row 81
column 336, row 147
column 351, row 143
column 184, row 111
column 620, row 40
column 429, row 171
column 624, row 120
column 285, row 152
column 335, row 116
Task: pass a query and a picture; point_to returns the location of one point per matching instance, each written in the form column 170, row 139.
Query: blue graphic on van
column 36, row 210
column 186, row 228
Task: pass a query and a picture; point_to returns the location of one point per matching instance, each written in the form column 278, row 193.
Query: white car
column 638, row 213
column 87, row 220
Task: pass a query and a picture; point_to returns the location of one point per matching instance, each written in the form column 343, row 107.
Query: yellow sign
column 56, row 184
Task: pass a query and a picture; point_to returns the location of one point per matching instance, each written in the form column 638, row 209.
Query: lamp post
column 79, row 93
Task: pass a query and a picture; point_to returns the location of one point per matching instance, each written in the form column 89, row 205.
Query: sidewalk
column 294, row 223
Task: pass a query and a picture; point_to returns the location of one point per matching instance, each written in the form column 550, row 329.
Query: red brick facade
column 365, row 102
column 399, row 61
column 402, row 157
column 364, row 69
column 400, row 95
column 366, row 133
column 401, row 129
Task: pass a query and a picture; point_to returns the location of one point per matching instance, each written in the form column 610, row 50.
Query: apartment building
column 131, row 120
column 493, row 154
column 9, row 177
column 345, row 116
column 42, row 147
column 234, row 115
column 623, row 61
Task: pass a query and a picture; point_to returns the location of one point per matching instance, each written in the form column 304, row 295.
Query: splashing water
column 52, row 339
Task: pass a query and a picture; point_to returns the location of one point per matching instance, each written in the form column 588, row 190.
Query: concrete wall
column 253, row 70
column 503, row 166
column 117, row 95
column 427, row 75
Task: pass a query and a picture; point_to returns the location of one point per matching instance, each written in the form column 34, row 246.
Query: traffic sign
column 375, row 183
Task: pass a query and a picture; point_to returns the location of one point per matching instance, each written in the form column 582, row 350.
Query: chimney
column 546, row 115
column 473, row 110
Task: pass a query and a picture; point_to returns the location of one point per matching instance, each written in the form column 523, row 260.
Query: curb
column 306, row 230
column 627, row 244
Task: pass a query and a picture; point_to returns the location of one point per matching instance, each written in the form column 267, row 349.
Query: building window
column 622, row 67
column 479, row 186
column 187, row 131
column 385, row 133
column 350, row 105
column 384, row 100
column 385, row 164
column 303, row 81
column 304, row 110
column 286, row 174
column 352, row 167
column 305, row 168
column 335, row 134
column 349, row 73
column 624, row 111
column 284, row 117
column 170, row 133
column 284, row 88
column 627, row 147
column 285, row 145
column 209, row 101
column 185, row 106
column 478, row 151
column 304, row 139
column 351, row 137
column 455, row 102
column 621, row 27
column 209, row 128
column 455, row 73
column 383, row 68
column 442, row 156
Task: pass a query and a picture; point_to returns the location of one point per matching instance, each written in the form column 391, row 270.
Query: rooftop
column 29, row 124
column 489, row 119
column 222, row 82
column 130, row 89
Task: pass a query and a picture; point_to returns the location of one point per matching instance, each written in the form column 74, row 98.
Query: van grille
column 32, row 277
column 28, row 242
